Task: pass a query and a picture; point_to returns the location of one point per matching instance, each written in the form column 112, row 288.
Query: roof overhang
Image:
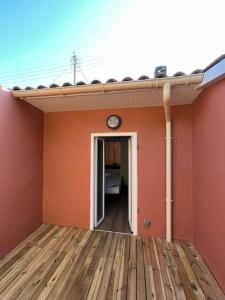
column 140, row 93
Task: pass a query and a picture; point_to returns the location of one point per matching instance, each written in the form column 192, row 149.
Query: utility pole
column 74, row 62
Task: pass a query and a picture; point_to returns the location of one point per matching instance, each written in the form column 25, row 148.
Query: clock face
column 113, row 122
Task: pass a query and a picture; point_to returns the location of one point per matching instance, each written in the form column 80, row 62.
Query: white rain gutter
column 108, row 87
column 166, row 102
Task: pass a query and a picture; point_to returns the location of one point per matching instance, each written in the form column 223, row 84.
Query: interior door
column 130, row 194
column 100, row 182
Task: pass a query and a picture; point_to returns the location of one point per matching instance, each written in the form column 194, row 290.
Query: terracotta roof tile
column 143, row 77
column 16, row 88
column 110, row 80
column 197, row 71
column 95, row 81
column 67, row 84
column 179, row 73
column 53, row 85
column 80, row 83
column 127, row 78
column 41, row 86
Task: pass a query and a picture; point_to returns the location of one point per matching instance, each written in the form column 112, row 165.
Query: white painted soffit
column 141, row 93
column 181, row 95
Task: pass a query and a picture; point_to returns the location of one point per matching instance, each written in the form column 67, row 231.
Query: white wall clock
column 113, row 122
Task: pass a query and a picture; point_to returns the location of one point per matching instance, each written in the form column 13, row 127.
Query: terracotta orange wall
column 209, row 177
column 67, row 166
column 21, row 161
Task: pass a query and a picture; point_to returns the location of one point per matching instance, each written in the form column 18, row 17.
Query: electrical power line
column 56, row 70
column 61, row 74
column 34, row 68
column 100, row 57
column 31, row 79
column 94, row 63
column 52, row 70
column 82, row 72
column 31, row 75
column 56, row 66
column 34, row 71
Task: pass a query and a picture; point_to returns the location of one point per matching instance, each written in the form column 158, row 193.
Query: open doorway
column 113, row 194
column 116, row 185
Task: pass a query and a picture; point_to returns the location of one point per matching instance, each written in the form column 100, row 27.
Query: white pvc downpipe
column 166, row 102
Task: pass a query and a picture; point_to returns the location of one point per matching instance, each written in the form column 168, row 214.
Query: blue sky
column 111, row 38
column 47, row 30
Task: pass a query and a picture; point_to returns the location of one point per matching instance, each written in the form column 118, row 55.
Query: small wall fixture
column 147, row 222
column 113, row 122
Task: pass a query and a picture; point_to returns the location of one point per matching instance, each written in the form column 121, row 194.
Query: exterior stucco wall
column 198, row 170
column 209, row 177
column 21, row 166
column 67, row 166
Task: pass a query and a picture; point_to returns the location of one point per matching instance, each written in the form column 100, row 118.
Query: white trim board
column 133, row 136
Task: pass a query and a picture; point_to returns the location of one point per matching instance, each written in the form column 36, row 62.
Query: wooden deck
column 70, row 263
column 116, row 213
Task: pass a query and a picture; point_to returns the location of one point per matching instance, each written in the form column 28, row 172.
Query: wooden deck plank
column 20, row 265
column 77, row 281
column 159, row 288
column 173, row 270
column 93, row 292
column 123, row 277
column 188, row 289
column 14, row 289
column 103, row 288
column 86, row 283
column 204, row 269
column 141, row 289
column 45, row 271
column 57, row 283
column 202, row 279
column 167, row 282
column 60, row 253
column 70, row 263
column 71, row 250
column 7, row 261
column 114, row 280
column 149, row 279
column 71, row 272
column 191, row 275
column 132, row 270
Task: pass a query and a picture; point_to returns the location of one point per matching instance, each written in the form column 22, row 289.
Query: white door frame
column 103, row 179
column 134, row 185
